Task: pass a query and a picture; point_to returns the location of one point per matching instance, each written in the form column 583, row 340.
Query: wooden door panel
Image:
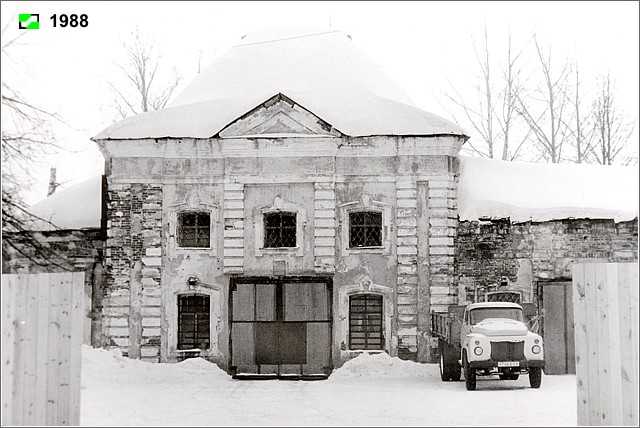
column 265, row 302
column 242, row 347
column 293, row 343
column 266, row 343
column 281, row 327
column 557, row 328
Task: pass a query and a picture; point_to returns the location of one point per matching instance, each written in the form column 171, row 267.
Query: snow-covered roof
column 519, row 191
column 320, row 69
column 523, row 191
column 74, row 208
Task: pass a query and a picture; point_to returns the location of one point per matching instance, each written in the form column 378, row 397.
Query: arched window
column 193, row 321
column 365, row 322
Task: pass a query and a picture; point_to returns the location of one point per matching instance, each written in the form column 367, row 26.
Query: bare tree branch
column 611, row 128
column 141, row 71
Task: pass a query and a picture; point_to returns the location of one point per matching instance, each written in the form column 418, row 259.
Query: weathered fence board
column 605, row 298
column 42, row 317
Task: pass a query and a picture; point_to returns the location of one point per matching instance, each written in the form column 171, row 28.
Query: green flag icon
column 28, row 21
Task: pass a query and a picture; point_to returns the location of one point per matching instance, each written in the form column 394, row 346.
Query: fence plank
column 53, row 350
column 19, row 342
column 29, row 357
column 629, row 274
column 8, row 317
column 66, row 291
column 42, row 363
column 604, row 355
column 75, row 356
column 612, row 329
column 591, row 303
column 580, row 328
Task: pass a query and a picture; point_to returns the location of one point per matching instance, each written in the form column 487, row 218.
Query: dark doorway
column 280, row 327
column 556, row 299
column 365, row 322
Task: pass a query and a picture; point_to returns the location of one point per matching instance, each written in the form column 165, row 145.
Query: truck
column 488, row 338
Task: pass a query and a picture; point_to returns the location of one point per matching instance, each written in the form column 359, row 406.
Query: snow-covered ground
column 370, row 390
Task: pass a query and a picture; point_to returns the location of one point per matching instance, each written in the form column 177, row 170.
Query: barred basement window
column 193, row 322
column 365, row 322
column 194, row 229
column 279, row 230
column 365, row 229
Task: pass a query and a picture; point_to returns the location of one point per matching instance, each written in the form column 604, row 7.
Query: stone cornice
column 213, row 148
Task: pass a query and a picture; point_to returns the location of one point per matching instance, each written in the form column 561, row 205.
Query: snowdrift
column 100, row 365
column 376, row 365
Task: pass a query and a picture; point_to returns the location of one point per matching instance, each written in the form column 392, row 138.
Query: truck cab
column 495, row 340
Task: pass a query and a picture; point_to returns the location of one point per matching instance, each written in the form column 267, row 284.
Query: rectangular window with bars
column 194, row 229
column 193, row 322
column 280, row 230
column 365, row 322
column 365, row 229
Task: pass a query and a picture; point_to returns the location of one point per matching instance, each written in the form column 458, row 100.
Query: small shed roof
column 74, row 208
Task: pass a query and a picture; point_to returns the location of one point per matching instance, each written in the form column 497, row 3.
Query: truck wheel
column 445, row 374
column 535, row 377
column 469, row 375
column 456, row 372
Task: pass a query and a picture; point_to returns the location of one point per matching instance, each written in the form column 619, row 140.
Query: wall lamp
column 192, row 282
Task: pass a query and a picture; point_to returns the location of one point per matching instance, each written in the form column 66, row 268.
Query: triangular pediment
column 279, row 117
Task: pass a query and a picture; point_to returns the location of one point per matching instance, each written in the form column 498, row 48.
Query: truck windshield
column 479, row 314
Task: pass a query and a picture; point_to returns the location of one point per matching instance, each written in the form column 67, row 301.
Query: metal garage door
column 280, row 327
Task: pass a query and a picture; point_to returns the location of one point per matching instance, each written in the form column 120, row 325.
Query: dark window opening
column 194, row 229
column 279, row 230
column 365, row 229
column 365, row 322
column 193, row 322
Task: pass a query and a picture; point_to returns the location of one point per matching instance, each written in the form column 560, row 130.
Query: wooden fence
column 42, row 317
column 605, row 298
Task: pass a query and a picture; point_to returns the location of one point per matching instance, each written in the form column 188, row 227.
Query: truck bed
column 445, row 325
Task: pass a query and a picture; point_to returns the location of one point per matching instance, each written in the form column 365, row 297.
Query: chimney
column 53, row 185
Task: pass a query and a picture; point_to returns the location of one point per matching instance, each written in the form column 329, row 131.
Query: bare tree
column 26, row 137
column 143, row 91
column 510, row 94
column 611, row 129
column 480, row 116
column 493, row 115
column 545, row 110
column 579, row 134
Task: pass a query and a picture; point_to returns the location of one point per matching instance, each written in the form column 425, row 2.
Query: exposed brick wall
column 132, row 302
column 494, row 253
column 407, row 280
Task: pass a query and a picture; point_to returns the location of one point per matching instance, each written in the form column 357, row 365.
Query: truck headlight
column 536, row 349
column 477, row 350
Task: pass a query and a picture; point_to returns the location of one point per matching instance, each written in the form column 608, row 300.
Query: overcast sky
column 423, row 45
